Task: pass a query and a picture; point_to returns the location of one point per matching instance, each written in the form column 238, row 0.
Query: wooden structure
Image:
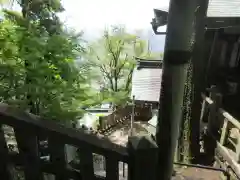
column 123, row 115
column 223, row 68
column 146, row 82
column 216, row 55
column 140, row 154
column 223, row 134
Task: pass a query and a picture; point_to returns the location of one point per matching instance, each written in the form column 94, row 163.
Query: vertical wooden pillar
column 100, row 119
column 132, row 116
column 143, row 158
column 177, row 53
column 238, row 149
column 28, row 149
column 213, row 124
column 225, row 132
column 57, row 156
column 4, row 170
column 213, row 120
column 199, row 64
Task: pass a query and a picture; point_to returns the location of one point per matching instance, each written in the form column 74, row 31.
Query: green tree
column 112, row 61
column 38, row 65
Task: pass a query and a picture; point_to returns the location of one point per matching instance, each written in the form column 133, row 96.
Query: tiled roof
column 219, row 8
column 223, row 8
column 146, row 83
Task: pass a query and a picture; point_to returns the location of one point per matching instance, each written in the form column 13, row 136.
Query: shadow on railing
column 140, row 155
column 224, row 132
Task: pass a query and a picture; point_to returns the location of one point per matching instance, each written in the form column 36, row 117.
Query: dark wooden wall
column 219, row 72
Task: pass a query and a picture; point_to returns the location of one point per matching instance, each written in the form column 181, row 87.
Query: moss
column 184, row 141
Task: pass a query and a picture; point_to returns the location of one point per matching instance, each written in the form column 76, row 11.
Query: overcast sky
column 92, row 16
column 97, row 14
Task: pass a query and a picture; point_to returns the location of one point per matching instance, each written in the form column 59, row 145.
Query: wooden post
column 86, row 163
column 57, row 156
column 28, row 149
column 112, row 167
column 132, row 116
column 123, row 169
column 213, row 124
column 225, row 132
column 203, row 109
column 100, row 122
column 4, row 170
column 199, row 63
column 213, row 120
column 177, row 54
column 143, row 158
column 238, row 149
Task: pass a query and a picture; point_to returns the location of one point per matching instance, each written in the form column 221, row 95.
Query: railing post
column 238, row 150
column 142, row 158
column 4, row 169
column 225, row 132
column 202, row 110
column 29, row 150
column 213, row 125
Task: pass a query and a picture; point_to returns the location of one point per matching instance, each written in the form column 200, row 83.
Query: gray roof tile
column 146, row 84
column 223, row 8
column 219, row 8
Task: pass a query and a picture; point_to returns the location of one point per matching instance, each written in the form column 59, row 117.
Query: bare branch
column 122, row 65
column 129, row 78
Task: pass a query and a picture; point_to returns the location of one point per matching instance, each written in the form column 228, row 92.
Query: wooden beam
column 217, row 22
column 221, row 22
column 231, row 119
column 224, row 133
column 223, row 151
column 199, row 63
column 207, row 99
column 177, row 54
column 13, row 117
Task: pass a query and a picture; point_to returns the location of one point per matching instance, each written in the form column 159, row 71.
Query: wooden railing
column 140, row 154
column 220, row 126
column 123, row 115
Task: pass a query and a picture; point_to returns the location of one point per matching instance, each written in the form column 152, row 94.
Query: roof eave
column 160, row 19
column 147, row 63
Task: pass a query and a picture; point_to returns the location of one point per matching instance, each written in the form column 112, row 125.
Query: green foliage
column 38, row 69
column 112, row 60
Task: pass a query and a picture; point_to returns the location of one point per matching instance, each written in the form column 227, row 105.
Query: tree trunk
column 32, row 109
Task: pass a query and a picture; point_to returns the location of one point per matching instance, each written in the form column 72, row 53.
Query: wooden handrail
column 15, row 118
column 140, row 155
column 122, row 115
column 232, row 160
column 207, row 99
column 225, row 154
column 230, row 118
